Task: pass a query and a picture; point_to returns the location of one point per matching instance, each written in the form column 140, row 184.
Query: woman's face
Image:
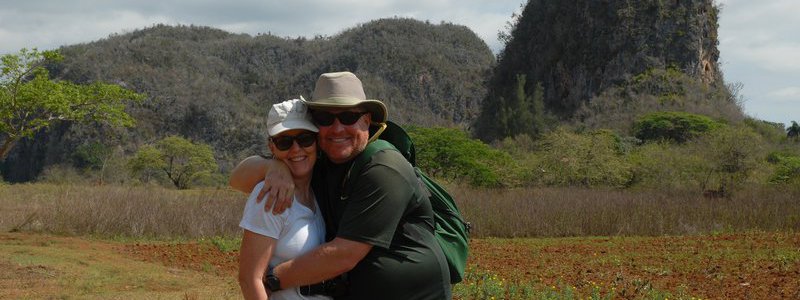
column 298, row 158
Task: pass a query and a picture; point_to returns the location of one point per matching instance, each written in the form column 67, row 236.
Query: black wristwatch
column 272, row 282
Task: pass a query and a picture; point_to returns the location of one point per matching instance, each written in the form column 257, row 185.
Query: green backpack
column 451, row 231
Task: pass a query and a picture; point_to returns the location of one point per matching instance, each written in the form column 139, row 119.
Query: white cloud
column 761, row 33
column 788, row 93
column 760, row 47
column 773, row 56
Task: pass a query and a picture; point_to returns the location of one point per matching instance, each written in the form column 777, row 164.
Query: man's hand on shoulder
column 279, row 186
column 278, row 181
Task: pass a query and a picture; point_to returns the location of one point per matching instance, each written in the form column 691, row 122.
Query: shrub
column 770, row 131
column 666, row 166
column 674, row 126
column 450, row 154
column 589, row 159
column 734, row 154
column 62, row 174
column 524, row 150
column 787, row 168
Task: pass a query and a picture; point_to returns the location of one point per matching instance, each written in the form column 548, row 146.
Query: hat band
column 337, row 101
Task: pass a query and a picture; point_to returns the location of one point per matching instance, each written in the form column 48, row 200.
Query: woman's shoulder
column 258, row 206
column 256, row 190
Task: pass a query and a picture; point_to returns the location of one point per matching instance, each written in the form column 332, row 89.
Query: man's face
column 342, row 142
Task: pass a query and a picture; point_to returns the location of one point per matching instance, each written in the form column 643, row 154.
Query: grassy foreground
column 36, row 266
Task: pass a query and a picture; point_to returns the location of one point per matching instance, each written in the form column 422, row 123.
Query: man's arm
column 324, row 262
column 248, row 173
column 278, row 181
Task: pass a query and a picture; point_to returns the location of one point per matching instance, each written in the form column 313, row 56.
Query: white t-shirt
column 296, row 231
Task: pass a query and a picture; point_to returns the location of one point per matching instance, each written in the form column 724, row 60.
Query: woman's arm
column 278, row 181
column 254, row 256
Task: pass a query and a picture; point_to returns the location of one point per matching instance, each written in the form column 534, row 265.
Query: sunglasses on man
column 284, row 142
column 325, row 118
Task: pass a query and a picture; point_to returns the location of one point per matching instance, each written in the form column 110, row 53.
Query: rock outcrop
column 578, row 49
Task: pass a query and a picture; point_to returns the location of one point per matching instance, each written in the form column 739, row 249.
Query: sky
column 759, row 40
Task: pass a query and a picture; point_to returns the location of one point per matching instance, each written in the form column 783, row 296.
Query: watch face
column 273, row 283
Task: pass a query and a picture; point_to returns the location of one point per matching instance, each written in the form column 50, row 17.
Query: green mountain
column 216, row 87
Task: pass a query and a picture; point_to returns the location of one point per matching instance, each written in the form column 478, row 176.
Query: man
column 380, row 225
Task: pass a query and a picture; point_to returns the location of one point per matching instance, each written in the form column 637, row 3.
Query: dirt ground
column 731, row 266
column 745, row 266
column 193, row 256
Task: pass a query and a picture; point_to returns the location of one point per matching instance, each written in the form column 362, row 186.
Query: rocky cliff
column 579, row 49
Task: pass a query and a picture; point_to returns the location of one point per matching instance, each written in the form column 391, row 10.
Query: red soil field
column 730, row 266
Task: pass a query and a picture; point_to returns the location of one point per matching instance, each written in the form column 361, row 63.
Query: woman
column 271, row 239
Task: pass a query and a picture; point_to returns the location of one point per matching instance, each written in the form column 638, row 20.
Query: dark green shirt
column 386, row 208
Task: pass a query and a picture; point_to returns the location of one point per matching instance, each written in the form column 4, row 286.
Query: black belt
column 314, row 289
column 332, row 287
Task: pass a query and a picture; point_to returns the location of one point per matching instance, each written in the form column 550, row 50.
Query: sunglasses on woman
column 284, row 142
column 324, row 118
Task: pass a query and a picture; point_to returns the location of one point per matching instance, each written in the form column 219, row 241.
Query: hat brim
column 375, row 107
column 290, row 125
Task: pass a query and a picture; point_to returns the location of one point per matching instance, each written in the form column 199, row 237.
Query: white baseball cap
column 288, row 115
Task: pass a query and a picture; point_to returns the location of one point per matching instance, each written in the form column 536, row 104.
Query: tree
column 179, row 159
column 30, row 101
column 540, row 119
column 521, row 119
column 793, row 131
column 147, row 164
column 524, row 112
column 672, row 125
